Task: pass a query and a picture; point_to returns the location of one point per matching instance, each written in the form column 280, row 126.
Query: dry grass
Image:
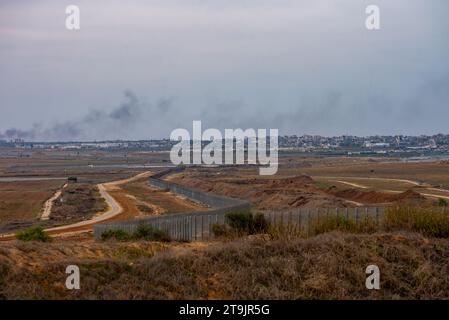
column 24, row 199
column 339, row 223
column 163, row 202
column 329, row 266
column 430, row 221
column 79, row 202
column 433, row 172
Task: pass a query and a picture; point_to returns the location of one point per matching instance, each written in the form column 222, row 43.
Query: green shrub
column 239, row 220
column 222, row 230
column 119, row 235
column 33, row 234
column 246, row 222
column 259, row 224
column 143, row 232
column 147, row 232
column 442, row 202
column 72, row 179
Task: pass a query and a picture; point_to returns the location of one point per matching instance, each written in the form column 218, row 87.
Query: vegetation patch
column 328, row 266
column 143, row 232
column 77, row 202
column 149, row 233
column 442, row 202
column 118, row 234
column 245, row 222
column 343, row 224
column 430, row 221
column 33, row 234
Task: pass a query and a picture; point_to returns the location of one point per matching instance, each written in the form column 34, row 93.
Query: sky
column 140, row 69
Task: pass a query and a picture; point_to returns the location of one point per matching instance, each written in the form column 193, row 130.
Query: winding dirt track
column 114, row 210
column 413, row 183
column 48, row 205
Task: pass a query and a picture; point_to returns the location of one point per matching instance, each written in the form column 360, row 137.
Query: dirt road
column 413, row 183
column 114, row 210
column 48, row 205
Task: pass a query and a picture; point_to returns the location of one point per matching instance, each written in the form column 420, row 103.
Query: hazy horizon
column 139, row 70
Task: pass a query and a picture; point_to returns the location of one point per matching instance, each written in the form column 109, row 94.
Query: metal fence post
column 377, row 215
column 194, row 229
column 202, row 227
column 209, row 220
column 190, row 228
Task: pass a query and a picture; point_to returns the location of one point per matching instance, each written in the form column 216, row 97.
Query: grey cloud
column 297, row 65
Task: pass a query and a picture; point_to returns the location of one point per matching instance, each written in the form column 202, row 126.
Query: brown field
column 325, row 266
column 23, row 200
column 294, row 188
column 76, row 203
column 151, row 201
column 433, row 173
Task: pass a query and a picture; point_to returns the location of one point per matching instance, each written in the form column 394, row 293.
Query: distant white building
column 369, row 144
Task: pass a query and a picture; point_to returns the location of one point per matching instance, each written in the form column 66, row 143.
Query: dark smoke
column 116, row 121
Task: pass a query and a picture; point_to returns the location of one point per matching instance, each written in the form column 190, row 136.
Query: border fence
column 194, row 226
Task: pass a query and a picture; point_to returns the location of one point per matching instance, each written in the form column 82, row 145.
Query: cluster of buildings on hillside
column 370, row 142
column 350, row 144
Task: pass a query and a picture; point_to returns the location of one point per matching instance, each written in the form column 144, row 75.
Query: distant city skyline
column 138, row 70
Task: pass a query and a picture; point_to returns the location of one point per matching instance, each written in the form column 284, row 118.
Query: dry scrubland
column 435, row 173
column 328, row 266
column 23, row 201
column 411, row 248
column 153, row 201
column 290, row 191
column 76, row 203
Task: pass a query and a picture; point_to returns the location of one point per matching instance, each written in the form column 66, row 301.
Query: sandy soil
column 112, row 212
column 284, row 192
column 48, row 205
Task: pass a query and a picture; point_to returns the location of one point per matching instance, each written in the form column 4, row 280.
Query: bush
column 119, row 235
column 222, row 230
column 340, row 223
column 143, row 232
column 259, row 224
column 239, row 220
column 147, row 232
column 33, row 234
column 429, row 221
column 442, row 202
column 246, row 222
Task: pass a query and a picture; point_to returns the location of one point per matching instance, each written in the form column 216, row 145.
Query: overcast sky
column 139, row 69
